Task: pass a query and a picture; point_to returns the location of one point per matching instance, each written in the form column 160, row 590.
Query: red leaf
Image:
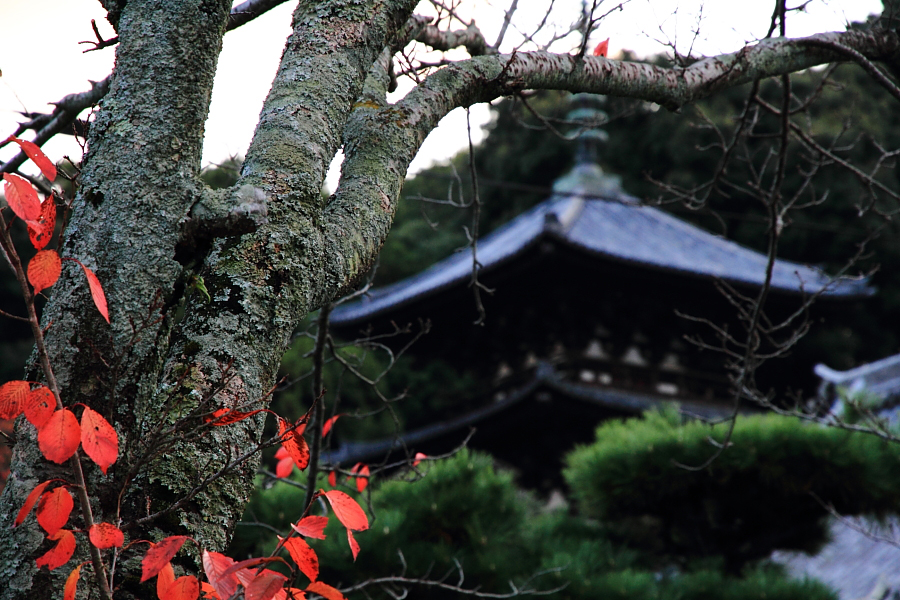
column 363, row 479
column 602, row 48
column 40, row 406
column 72, row 584
column 164, row 579
column 99, row 439
column 294, row 594
column 208, row 591
column 332, row 479
column 13, row 396
column 418, row 458
column 21, row 197
column 44, row 269
column 61, row 552
column 96, row 292
column 312, row 526
column 58, row 439
column 294, row 444
column 249, row 564
column 41, row 231
column 106, row 535
column 183, row 588
column 284, row 466
column 354, row 545
column 264, row 586
column 159, row 555
column 214, row 564
column 325, row 590
column 304, row 556
column 347, row 510
column 227, row 416
column 54, row 509
column 29, row 502
column 327, row 426
column 37, row 156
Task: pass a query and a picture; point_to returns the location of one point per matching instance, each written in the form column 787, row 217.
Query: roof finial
column 588, row 115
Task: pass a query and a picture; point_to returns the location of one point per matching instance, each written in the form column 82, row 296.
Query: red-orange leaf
column 418, row 458
column 37, row 156
column 159, row 555
column 21, row 197
column 347, row 510
column 354, row 545
column 327, row 426
column 214, row 564
column 293, row 594
column 362, row 479
column 99, row 439
column 602, row 48
column 250, row 563
column 44, row 269
column 209, row 591
column 96, row 292
column 325, row 590
column 164, row 579
column 285, row 463
column 106, row 535
column 39, row 406
column 41, row 231
column 227, row 416
column 54, row 509
column 312, row 526
column 61, row 552
column 13, row 397
column 58, row 439
column 72, row 584
column 264, row 586
column 304, row 556
column 294, row 444
column 29, row 502
column 183, row 588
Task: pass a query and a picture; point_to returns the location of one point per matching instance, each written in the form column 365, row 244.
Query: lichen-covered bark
column 139, row 184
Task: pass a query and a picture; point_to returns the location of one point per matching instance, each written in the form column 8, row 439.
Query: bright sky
column 41, row 60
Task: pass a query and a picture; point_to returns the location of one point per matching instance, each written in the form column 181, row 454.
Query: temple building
column 597, row 304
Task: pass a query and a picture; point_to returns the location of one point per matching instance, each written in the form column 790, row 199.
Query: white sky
column 41, row 60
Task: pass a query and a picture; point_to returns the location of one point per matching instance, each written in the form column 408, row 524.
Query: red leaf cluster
column 293, row 443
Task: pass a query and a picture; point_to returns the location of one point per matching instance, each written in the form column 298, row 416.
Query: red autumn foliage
column 21, row 197
column 72, row 584
column 303, row 556
column 327, row 426
column 99, row 439
column 37, row 156
column 354, row 545
column 312, row 526
column 12, row 398
column 602, row 48
column 263, row 586
column 30, row 501
column 285, row 463
column 54, row 509
column 106, row 535
column 41, row 231
column 159, row 555
column 227, row 416
column 59, row 554
column 184, row 588
column 58, row 439
column 97, row 294
column 347, row 510
column 418, row 458
column 325, row 590
column 164, row 579
column 294, row 444
column 39, row 406
column 215, row 564
column 44, row 269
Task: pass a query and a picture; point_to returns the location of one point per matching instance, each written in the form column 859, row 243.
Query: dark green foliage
column 760, row 495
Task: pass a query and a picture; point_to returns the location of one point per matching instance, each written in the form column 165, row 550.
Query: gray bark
column 145, row 224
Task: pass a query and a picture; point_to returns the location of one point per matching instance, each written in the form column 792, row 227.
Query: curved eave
column 617, row 229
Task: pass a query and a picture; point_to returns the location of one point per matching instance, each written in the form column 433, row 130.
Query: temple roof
column 589, row 212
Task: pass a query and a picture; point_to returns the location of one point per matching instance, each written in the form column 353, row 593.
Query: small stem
column 318, row 409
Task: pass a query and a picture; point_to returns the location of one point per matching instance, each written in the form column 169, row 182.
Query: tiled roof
column 588, row 211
